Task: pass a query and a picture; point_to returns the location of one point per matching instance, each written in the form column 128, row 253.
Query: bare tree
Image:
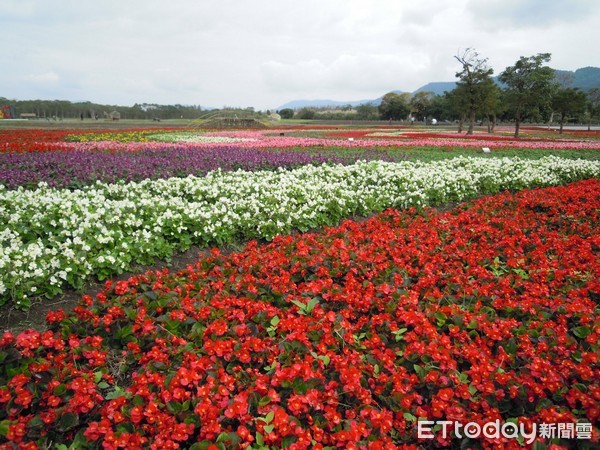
column 473, row 77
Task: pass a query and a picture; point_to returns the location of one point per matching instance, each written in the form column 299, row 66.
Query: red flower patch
column 341, row 339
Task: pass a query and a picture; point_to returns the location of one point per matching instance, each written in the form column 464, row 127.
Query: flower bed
column 196, row 137
column 55, row 237
column 39, row 140
column 259, row 139
column 342, row 339
column 128, row 135
column 76, row 168
column 17, row 141
column 12, row 141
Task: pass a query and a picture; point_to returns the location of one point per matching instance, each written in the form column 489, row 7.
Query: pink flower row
column 258, row 139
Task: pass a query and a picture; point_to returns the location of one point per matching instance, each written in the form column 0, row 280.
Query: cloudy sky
column 264, row 53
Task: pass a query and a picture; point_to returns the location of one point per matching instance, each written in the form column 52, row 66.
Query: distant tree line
column 527, row 91
column 62, row 109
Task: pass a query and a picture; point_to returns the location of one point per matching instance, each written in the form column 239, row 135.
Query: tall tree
column 593, row 106
column 419, row 104
column 367, row 111
column 458, row 106
column 394, row 106
column 473, row 77
column 286, row 113
column 530, row 86
column 491, row 102
column 568, row 101
column 438, row 108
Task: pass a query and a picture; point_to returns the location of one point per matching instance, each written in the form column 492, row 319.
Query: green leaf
column 410, row 417
column 264, row 401
column 197, row 328
column 67, row 421
column 440, row 318
column 269, row 418
column 150, row 295
column 126, row 331
column 223, row 437
column 463, row 377
column 301, row 306
column 489, row 312
column 174, row 407
column 289, row 440
column 60, row 390
column 398, row 333
column 268, row 428
column 259, row 439
column 419, row 371
column 4, row 425
column 36, row 424
column 275, row 321
column 125, row 427
column 80, row 441
column 582, row 332
column 543, row 403
column 511, row 346
column 118, row 392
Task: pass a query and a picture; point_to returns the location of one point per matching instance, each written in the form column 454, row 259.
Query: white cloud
column 364, row 73
column 533, row 14
column 264, row 53
column 44, row 79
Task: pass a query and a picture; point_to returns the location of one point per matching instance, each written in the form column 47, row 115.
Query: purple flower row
column 76, row 168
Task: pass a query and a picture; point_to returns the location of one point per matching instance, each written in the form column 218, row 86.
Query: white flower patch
column 196, row 138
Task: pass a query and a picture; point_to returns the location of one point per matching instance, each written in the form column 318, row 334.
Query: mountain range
column 585, row 79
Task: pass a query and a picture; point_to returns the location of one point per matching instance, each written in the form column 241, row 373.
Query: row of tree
column 527, row 90
column 531, row 91
column 62, row 109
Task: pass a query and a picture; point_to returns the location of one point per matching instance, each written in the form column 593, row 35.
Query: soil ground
column 15, row 320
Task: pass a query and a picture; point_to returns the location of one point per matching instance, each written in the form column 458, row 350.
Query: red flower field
column 338, row 339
